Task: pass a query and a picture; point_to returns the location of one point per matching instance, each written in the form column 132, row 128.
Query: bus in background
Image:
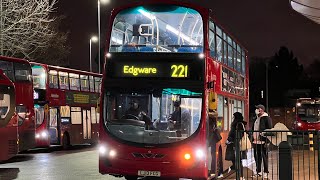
column 307, row 114
column 19, row 72
column 8, row 119
column 167, row 64
column 65, row 105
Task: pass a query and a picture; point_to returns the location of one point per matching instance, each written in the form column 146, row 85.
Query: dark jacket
column 265, row 123
column 236, row 125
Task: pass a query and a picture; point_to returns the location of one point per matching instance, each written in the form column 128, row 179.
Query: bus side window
column 91, row 83
column 74, row 82
column 53, row 79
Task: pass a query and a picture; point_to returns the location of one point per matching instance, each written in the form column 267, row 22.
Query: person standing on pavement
column 259, row 142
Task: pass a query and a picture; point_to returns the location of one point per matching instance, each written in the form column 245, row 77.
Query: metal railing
column 301, row 152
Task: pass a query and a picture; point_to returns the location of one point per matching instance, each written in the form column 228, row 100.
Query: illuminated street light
column 99, row 38
column 92, row 39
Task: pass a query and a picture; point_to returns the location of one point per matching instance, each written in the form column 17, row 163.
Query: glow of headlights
column 44, row 134
column 201, row 55
column 199, row 154
column 102, row 150
column 187, row 156
column 37, row 136
column 112, row 153
column 299, row 124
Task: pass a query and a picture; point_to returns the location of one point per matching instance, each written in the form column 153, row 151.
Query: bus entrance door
column 86, row 120
column 54, row 126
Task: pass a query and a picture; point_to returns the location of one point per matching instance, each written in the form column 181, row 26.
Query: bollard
column 285, row 161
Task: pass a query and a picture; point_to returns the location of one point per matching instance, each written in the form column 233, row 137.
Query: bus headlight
column 102, row 150
column 44, row 134
column 201, row 55
column 199, row 153
column 37, row 135
column 112, row 153
column 299, row 124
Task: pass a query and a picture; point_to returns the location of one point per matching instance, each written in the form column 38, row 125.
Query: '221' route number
column 179, row 71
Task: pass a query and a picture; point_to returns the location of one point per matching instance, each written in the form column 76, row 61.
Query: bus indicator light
column 187, row 156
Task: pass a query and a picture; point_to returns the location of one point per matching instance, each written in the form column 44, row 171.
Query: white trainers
column 220, row 176
column 265, row 175
column 257, row 175
column 229, row 169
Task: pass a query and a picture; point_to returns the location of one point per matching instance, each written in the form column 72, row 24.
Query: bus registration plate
column 149, row 173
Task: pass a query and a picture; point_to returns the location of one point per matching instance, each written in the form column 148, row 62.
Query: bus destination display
column 153, row 70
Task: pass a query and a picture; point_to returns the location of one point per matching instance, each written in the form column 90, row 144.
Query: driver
column 134, row 109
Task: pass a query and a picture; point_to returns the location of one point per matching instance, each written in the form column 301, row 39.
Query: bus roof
column 13, row 59
column 58, row 68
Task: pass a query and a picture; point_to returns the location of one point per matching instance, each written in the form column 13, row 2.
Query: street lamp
column 92, row 39
column 103, row 2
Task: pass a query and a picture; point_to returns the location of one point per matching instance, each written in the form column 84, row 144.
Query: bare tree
column 25, row 26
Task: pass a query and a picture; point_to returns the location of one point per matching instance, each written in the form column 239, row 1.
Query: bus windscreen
column 154, row 116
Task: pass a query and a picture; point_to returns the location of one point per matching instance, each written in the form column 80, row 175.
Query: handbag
column 245, row 143
column 216, row 135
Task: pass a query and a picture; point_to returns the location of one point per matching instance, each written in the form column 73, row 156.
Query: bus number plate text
column 149, row 173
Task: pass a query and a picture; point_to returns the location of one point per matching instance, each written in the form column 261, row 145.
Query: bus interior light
column 108, row 55
column 298, row 104
column 201, row 55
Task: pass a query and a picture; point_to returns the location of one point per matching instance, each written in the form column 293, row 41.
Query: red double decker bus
column 8, row 119
column 19, row 72
column 167, row 65
column 307, row 114
column 65, row 105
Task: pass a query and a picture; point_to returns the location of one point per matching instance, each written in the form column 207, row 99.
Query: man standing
column 180, row 119
column 262, row 122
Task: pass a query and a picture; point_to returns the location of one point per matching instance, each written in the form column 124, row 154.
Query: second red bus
column 65, row 105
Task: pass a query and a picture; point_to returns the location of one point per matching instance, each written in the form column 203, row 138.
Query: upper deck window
column 157, row 28
column 22, row 72
column 7, row 68
column 74, row 82
column 63, row 80
column 39, row 77
column 53, row 79
column 84, row 83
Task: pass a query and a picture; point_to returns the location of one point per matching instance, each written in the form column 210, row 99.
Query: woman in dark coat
column 237, row 124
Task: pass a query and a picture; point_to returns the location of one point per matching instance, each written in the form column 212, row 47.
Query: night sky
column 261, row 26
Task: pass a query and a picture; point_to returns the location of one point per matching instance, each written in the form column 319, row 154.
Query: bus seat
column 129, row 49
column 146, row 49
column 190, row 49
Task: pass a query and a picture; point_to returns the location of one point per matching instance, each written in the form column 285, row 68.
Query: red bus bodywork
column 24, row 102
column 59, row 103
column 9, row 122
column 117, row 156
column 307, row 114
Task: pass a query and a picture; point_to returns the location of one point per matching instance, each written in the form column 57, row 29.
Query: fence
column 298, row 160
